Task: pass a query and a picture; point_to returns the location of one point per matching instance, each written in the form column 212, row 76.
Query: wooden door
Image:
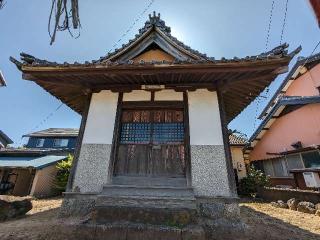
column 151, row 144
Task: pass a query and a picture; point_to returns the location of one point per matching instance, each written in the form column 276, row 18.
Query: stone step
column 149, row 181
column 129, row 231
column 177, row 216
column 134, row 190
column 146, row 201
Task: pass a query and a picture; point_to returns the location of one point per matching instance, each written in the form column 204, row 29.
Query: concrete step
column 155, row 191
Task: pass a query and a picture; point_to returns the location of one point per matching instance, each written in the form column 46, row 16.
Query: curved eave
column 223, row 66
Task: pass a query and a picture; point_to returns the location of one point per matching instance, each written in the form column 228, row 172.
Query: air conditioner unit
column 312, row 179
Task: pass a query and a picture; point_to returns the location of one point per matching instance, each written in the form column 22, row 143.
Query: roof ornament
column 155, row 21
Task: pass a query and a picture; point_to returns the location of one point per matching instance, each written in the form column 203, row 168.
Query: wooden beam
column 79, row 143
column 225, row 134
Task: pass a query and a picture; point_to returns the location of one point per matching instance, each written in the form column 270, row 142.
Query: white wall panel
column 168, row 95
column 101, row 118
column 204, row 118
column 137, row 95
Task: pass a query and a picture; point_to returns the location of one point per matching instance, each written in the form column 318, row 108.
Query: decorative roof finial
column 155, row 21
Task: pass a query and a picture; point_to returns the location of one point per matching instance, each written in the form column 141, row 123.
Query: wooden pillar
column 225, row 135
column 79, row 143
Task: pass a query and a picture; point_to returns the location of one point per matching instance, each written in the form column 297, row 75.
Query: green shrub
column 64, row 168
column 255, row 179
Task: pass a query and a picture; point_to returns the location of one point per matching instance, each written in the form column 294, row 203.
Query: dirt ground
column 262, row 222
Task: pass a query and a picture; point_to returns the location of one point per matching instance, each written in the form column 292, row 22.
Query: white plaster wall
column 237, row 158
column 101, row 118
column 137, row 95
column 168, row 95
column 204, row 118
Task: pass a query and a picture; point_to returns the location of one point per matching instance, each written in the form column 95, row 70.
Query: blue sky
column 216, row 27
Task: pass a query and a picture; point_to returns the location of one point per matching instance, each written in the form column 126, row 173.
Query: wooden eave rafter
column 64, row 82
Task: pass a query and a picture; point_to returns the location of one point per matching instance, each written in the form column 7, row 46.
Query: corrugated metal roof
column 25, row 162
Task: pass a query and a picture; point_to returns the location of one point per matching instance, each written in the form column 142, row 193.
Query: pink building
column 288, row 139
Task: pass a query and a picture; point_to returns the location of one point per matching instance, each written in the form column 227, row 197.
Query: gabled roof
column 241, row 79
column 284, row 105
column 294, row 73
column 156, row 32
column 2, row 81
column 54, row 132
column 4, row 139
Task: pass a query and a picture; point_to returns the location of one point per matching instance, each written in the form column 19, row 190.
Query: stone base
column 174, row 217
column 77, row 204
column 219, row 208
column 129, row 231
column 218, row 218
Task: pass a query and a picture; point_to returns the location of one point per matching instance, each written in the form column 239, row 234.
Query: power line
column 314, row 49
column 119, row 40
column 266, row 49
column 269, row 25
column 43, row 121
column 132, row 25
column 284, row 21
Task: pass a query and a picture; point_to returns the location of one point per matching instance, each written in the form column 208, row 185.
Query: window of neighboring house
column 268, row 168
column 294, row 162
column 275, row 168
column 40, row 142
column 60, row 142
column 311, row 159
column 279, row 167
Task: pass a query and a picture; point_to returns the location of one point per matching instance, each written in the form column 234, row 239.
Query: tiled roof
column 276, row 53
column 55, row 132
column 235, row 139
column 155, row 22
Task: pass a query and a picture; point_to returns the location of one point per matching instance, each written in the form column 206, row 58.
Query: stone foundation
column 129, row 231
column 92, row 168
column 77, row 205
column 215, row 216
column 209, row 171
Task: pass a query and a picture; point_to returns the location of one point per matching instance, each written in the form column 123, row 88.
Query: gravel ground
column 263, row 222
